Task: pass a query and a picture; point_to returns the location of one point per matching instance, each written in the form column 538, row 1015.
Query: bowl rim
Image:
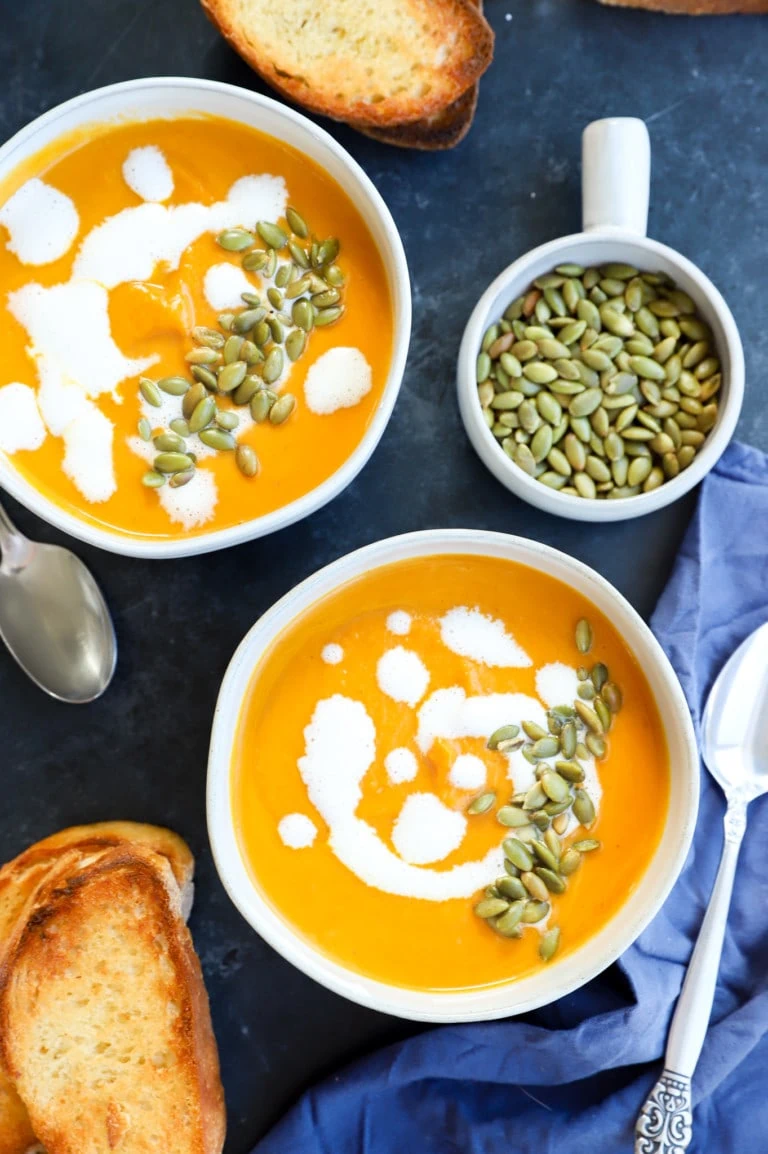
column 423, row 1005
column 552, row 501
column 396, row 267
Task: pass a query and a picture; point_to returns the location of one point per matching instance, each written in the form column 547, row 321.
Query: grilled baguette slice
column 369, row 63
column 20, row 879
column 104, row 1021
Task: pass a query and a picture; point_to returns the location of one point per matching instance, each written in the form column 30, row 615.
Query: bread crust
column 38, row 951
column 470, row 28
column 433, row 133
column 695, row 7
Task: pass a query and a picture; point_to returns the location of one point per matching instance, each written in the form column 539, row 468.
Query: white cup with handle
column 616, row 168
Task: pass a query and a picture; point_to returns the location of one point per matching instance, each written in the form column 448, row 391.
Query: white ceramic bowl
column 616, row 180
column 561, row 976
column 174, row 96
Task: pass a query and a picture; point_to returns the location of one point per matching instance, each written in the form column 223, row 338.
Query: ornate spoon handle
column 664, row 1125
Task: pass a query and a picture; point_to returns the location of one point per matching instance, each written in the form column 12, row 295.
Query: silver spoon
column 734, row 745
column 53, row 617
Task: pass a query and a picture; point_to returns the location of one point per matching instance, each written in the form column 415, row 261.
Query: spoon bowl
column 734, row 728
column 53, row 618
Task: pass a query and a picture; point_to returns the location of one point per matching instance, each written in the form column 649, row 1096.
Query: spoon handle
column 14, row 546
column 664, row 1125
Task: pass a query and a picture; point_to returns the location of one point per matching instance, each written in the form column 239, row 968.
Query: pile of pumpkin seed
column 242, row 360
column 600, row 382
column 537, row 860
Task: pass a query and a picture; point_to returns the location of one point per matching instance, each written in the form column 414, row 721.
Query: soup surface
column 115, row 244
column 362, row 751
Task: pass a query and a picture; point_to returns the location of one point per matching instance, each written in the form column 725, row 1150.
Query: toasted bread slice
column 695, row 7
column 369, row 63
column 104, row 1021
column 445, row 130
column 19, row 881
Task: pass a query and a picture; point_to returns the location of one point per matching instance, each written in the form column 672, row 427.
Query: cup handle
column 615, row 175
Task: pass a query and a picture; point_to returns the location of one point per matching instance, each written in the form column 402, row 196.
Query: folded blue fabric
column 573, row 1076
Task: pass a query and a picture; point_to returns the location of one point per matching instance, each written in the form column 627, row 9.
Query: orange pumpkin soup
column 124, row 253
column 395, row 760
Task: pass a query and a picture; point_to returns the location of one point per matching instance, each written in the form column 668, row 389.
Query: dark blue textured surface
column 141, row 751
column 574, row 1075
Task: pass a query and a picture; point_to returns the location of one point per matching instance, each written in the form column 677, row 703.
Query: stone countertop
column 140, row 752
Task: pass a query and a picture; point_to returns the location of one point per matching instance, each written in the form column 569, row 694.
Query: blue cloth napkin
column 572, row 1077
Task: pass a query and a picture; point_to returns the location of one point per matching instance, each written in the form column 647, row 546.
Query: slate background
column 140, row 752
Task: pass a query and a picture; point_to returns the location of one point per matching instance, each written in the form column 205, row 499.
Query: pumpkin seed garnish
column 482, row 803
column 248, row 349
column 550, row 940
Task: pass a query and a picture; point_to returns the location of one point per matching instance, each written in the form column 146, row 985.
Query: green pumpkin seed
column 145, row 429
column 599, row 675
column 208, row 337
column 552, row 880
column 568, row 740
column 150, row 392
column 205, row 376
column 511, row 888
column 612, row 696
column 174, row 386
column 304, row 314
column 282, row 409
column 539, row 373
column 570, row 770
column 271, row 234
column 586, row 845
column 546, row 747
column 517, row 853
column 540, row 819
column 246, row 320
column 536, row 911
column 555, row 787
column 570, row 862
column 192, row 398
column 595, row 745
column 202, row 415
column 583, row 809
column 583, row 636
column 541, row 443
column 583, row 404
column 545, row 855
column 232, row 375
column 589, row 717
column 244, row 392
column 503, row 733
column 202, row 356
column 491, row 907
column 507, row 922
column 235, row 239
column 273, row 366
column 604, row 714
column 178, row 480
column 169, row 443
column 232, row 347
column 532, row 730
column 535, row 798
column 227, row 420
column 296, row 223
column 255, row 261
column 512, row 817
column 261, row 403
column 247, row 461
column 482, row 803
column 172, row 462
column 225, row 320
column 534, row 886
column 217, row 439
column 327, row 251
column 153, row 480
column 549, row 943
